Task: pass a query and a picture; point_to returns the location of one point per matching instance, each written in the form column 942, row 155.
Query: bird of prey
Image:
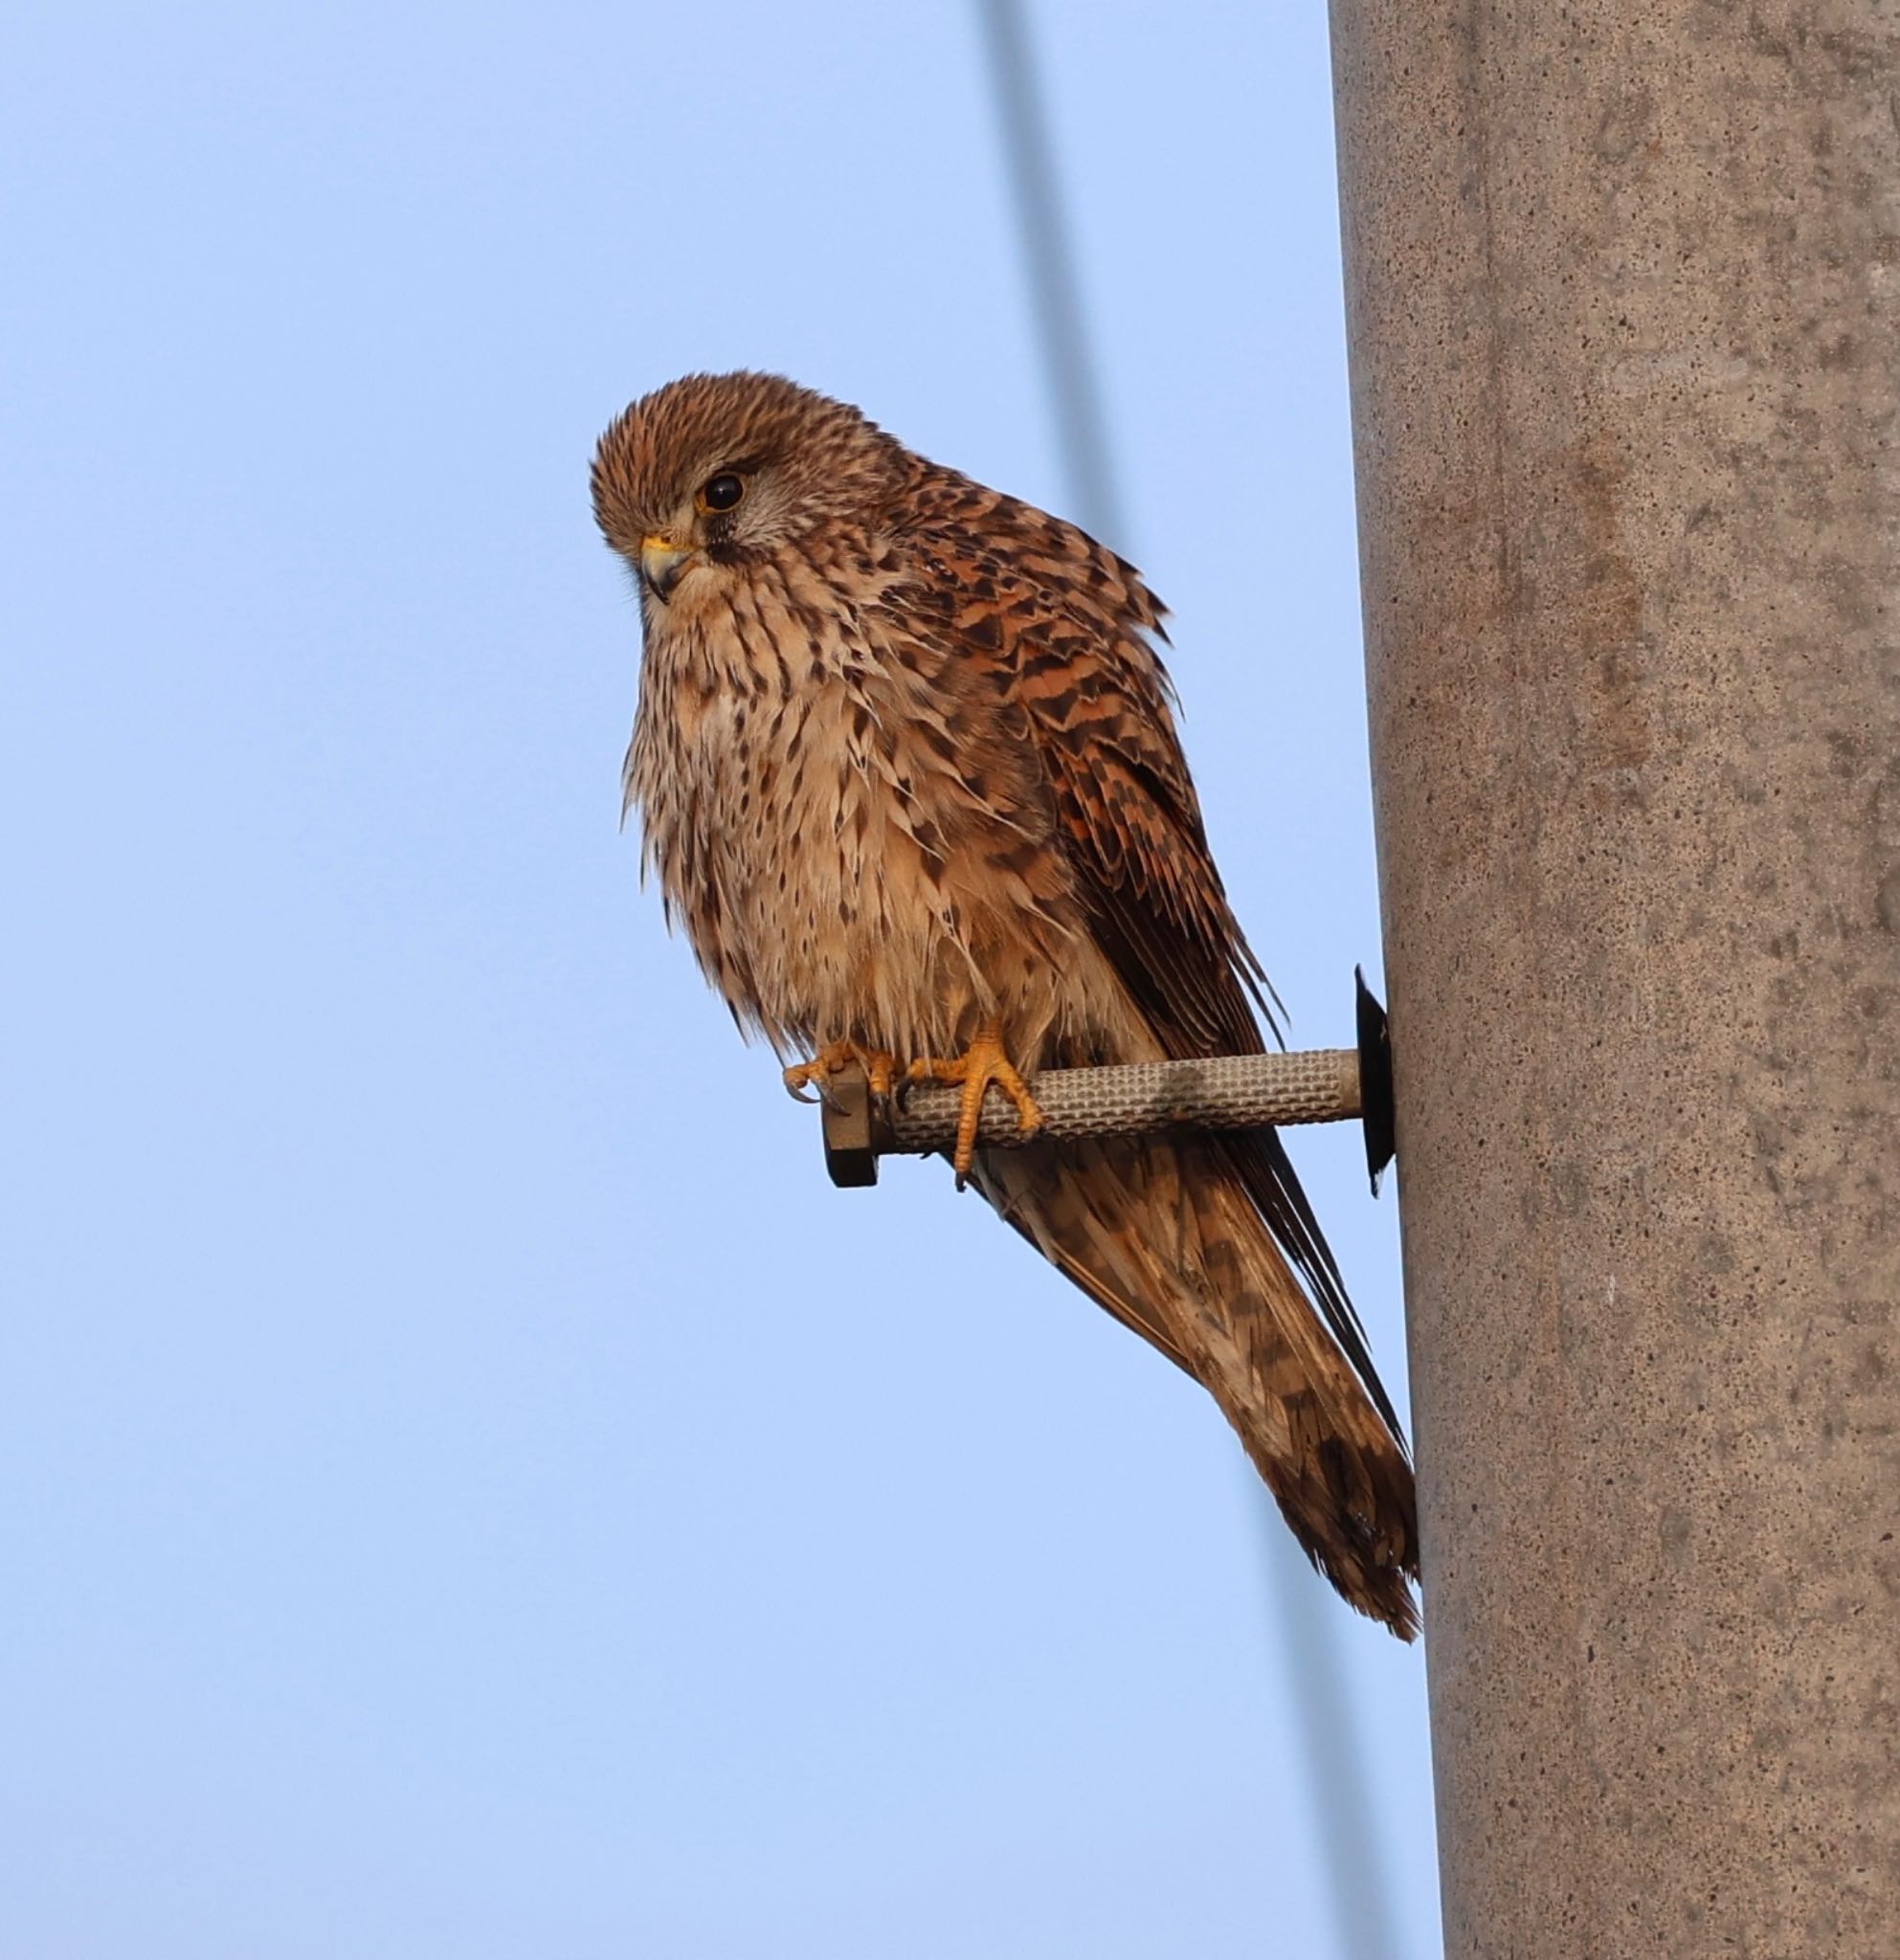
column 907, row 773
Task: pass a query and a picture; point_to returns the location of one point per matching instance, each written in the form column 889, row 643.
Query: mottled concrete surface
column 1620, row 281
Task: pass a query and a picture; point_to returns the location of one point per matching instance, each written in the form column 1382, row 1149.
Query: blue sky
column 467, row 1484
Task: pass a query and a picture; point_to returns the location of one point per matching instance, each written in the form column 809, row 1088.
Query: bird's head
column 717, row 470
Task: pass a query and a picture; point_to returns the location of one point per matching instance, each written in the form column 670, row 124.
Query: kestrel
column 907, row 772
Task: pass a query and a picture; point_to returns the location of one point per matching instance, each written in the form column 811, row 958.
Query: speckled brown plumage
column 906, row 767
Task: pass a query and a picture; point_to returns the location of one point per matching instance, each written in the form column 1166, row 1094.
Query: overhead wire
column 1345, row 1821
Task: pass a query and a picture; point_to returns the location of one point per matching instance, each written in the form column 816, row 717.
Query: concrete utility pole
column 1621, row 286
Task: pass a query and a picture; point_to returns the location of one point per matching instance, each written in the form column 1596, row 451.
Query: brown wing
column 1063, row 625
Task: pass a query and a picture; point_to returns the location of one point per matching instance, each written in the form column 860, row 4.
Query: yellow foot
column 878, row 1063
column 985, row 1062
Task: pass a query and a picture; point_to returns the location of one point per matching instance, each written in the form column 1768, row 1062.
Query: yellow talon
column 983, row 1063
column 879, row 1064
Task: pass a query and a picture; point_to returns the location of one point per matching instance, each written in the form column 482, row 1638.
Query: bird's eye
column 721, row 492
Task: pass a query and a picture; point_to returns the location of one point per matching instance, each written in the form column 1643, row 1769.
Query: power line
column 1361, row 1898
column 1362, row 1903
column 1054, row 292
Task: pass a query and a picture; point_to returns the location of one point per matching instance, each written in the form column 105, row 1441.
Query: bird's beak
column 662, row 562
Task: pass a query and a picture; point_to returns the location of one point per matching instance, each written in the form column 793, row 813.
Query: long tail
column 1164, row 1235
